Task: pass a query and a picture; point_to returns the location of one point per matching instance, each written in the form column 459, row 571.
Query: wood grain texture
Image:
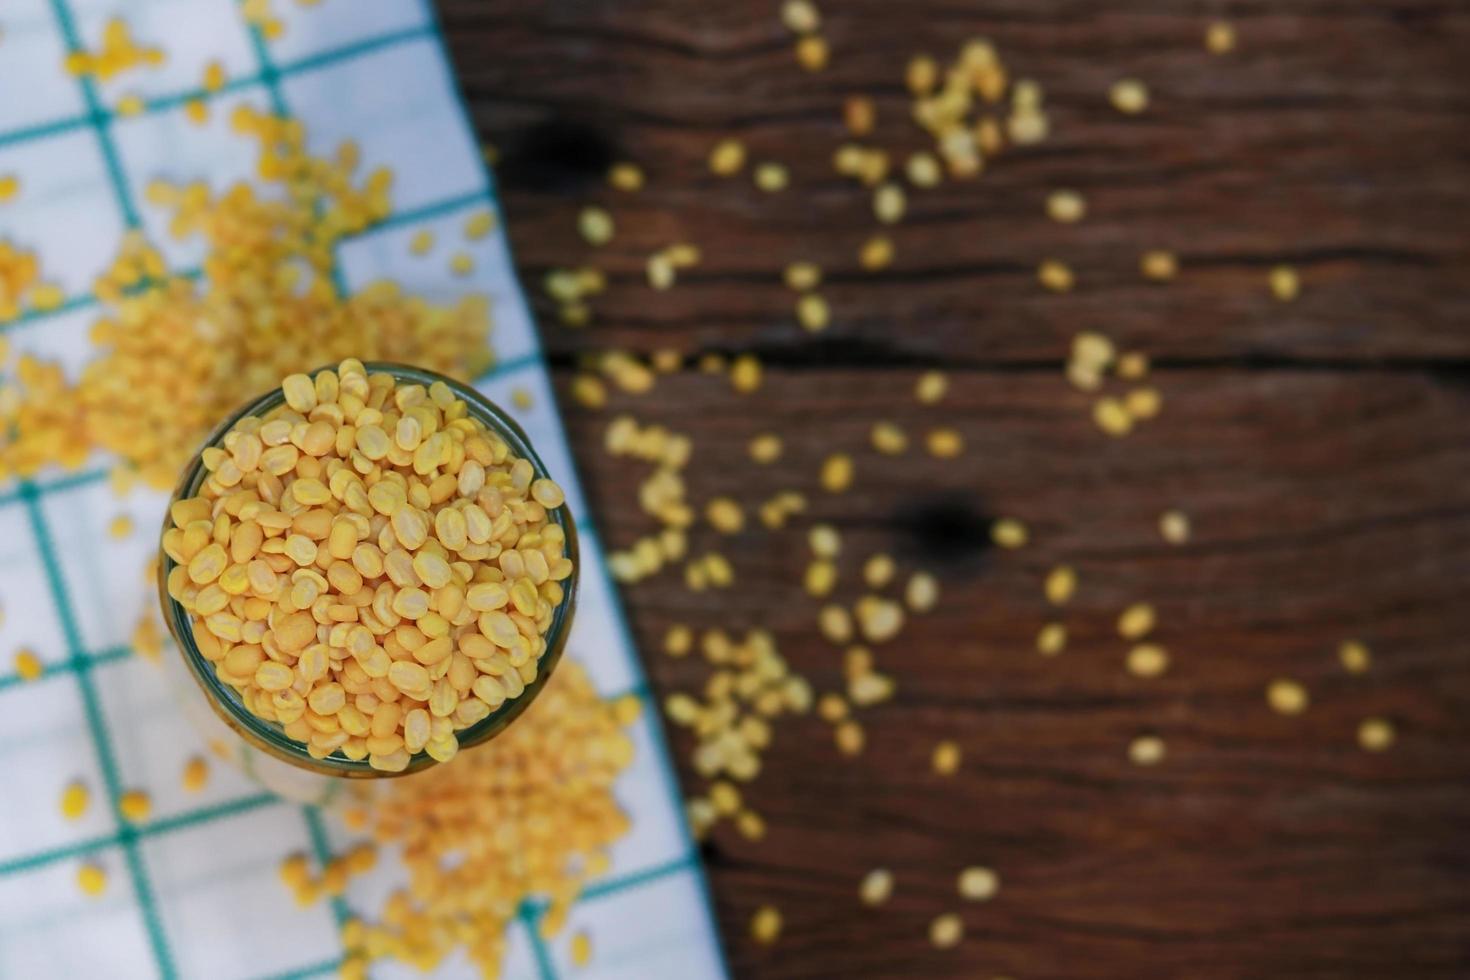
column 1322, row 449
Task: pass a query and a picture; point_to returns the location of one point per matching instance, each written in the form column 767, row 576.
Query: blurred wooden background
column 1322, row 449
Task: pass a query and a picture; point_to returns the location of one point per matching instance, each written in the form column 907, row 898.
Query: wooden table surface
column 1321, row 448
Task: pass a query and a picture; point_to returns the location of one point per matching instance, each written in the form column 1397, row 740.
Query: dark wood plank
column 1292, row 150
column 1320, row 448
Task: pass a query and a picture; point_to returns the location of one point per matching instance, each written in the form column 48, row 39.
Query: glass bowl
column 261, row 748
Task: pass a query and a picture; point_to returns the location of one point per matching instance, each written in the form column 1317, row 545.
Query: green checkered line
column 127, row 837
column 71, row 665
column 408, row 216
column 428, row 212
column 315, row 830
column 96, row 118
column 165, row 103
column 85, row 300
column 529, row 916
column 156, row 828
column 42, row 489
column 79, row 663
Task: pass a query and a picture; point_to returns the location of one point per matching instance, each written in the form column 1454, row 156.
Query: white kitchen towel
column 193, row 890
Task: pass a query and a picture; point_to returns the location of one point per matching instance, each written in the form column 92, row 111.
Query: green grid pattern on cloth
column 80, row 663
column 268, row 75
